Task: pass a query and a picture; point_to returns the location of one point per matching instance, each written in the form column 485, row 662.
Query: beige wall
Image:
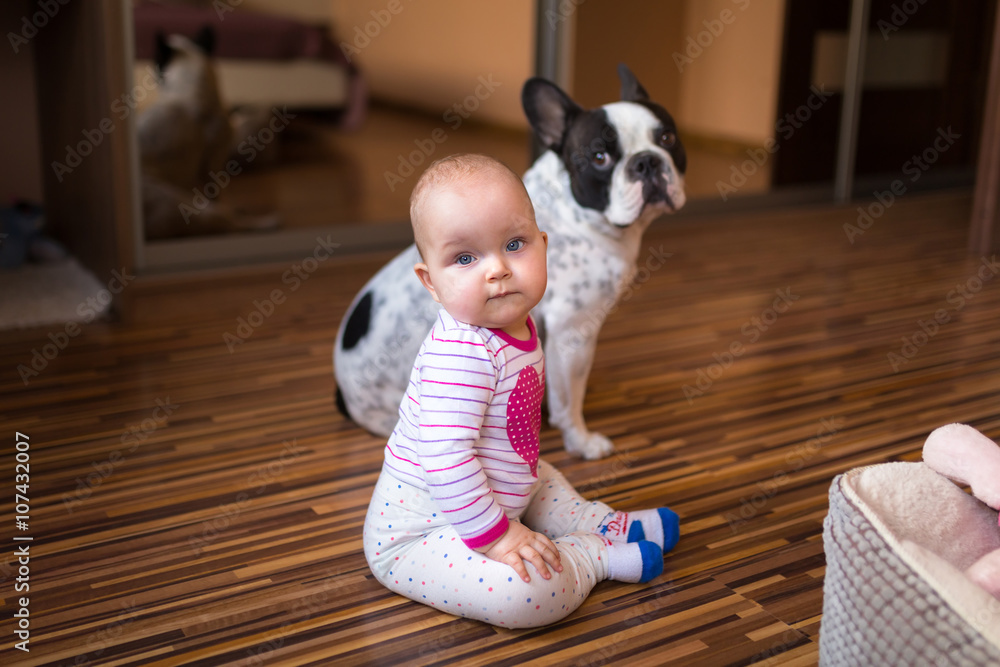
column 431, row 55
column 724, row 88
column 730, row 89
column 605, row 36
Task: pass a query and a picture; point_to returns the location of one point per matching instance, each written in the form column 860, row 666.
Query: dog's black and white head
column 183, row 64
column 624, row 159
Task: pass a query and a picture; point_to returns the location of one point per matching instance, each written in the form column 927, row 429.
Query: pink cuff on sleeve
column 492, row 534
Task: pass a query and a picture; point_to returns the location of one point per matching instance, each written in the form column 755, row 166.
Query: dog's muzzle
column 652, row 171
column 644, row 165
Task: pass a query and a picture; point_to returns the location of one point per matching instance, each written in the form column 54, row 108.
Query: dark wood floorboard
column 195, row 505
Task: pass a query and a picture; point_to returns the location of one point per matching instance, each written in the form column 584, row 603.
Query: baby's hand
column 519, row 544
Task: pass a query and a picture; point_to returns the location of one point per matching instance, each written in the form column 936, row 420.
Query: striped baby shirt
column 469, row 426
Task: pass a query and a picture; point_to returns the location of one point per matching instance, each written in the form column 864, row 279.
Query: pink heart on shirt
column 524, row 417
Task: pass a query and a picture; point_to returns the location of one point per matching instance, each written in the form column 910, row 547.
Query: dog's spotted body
column 607, row 173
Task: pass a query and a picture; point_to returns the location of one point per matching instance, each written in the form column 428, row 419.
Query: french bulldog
column 605, row 174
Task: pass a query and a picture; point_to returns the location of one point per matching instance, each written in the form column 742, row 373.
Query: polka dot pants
column 415, row 552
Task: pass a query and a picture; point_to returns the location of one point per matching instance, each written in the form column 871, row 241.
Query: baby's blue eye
column 464, row 260
column 515, row 245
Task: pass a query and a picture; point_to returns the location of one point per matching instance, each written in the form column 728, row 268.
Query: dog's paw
column 588, row 445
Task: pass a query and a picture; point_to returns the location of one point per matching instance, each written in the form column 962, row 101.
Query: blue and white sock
column 660, row 525
column 634, row 562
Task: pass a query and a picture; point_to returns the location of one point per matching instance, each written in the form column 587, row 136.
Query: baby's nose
column 498, row 269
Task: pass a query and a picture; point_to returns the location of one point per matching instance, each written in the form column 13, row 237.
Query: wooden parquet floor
column 193, row 502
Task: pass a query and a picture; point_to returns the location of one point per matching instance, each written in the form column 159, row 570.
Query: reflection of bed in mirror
column 261, row 59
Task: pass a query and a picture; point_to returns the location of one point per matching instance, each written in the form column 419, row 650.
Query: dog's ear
column 205, row 39
column 548, row 109
column 632, row 90
column 163, row 52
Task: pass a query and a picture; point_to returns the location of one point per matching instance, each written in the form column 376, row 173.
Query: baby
column 463, row 503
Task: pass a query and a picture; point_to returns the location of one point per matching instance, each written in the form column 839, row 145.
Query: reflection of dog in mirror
column 184, row 137
column 606, row 174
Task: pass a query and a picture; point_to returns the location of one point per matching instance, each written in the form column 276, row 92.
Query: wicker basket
column 897, row 539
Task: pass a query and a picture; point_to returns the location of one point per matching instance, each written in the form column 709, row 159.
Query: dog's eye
column 601, row 160
column 668, row 139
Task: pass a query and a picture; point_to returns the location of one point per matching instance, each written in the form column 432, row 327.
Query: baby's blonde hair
column 449, row 172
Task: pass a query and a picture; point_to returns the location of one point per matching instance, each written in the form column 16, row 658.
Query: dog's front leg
column 569, row 354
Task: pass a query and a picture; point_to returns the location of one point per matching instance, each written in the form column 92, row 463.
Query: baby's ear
column 425, row 279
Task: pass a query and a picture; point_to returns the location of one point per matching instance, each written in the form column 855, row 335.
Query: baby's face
column 484, row 256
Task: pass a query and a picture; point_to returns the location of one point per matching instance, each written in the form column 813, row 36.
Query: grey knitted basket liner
column 877, row 610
